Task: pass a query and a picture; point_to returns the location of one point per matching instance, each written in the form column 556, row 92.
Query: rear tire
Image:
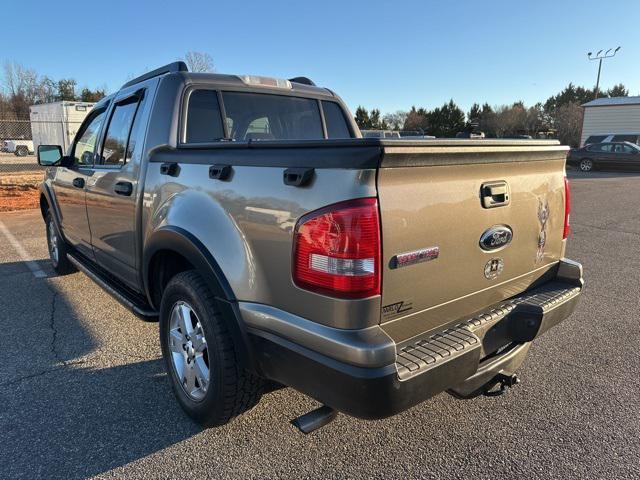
column 57, row 248
column 199, row 354
column 585, row 165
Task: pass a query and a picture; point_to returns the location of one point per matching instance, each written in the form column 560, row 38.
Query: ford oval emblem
column 496, row 238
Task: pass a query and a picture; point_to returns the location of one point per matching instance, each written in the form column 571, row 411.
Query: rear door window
column 627, row 149
column 334, row 119
column 258, row 116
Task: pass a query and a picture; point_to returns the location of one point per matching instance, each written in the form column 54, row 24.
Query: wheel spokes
column 187, row 345
column 202, row 373
column 176, row 342
column 189, row 379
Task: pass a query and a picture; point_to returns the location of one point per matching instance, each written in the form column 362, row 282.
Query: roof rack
column 169, row 68
column 302, row 80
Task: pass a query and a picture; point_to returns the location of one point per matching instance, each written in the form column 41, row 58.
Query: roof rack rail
column 302, row 80
column 170, row 67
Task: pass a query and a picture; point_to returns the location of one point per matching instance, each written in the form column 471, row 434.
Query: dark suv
column 622, row 155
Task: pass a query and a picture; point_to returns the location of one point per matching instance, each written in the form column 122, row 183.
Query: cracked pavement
column 83, row 391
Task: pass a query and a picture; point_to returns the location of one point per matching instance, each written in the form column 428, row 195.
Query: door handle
column 123, row 188
column 78, row 182
column 494, row 194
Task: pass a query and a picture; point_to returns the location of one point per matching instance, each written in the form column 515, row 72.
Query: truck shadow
column 72, row 404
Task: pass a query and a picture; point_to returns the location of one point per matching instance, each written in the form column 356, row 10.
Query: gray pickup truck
column 279, row 248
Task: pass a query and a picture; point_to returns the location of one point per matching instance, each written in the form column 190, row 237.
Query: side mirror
column 49, row 155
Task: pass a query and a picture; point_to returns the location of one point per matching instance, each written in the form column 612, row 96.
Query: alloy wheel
column 189, row 352
column 54, row 251
column 586, row 165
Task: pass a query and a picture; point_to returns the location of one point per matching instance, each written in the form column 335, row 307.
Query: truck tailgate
column 464, row 227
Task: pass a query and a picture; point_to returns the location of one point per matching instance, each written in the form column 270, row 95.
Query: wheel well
column 164, row 265
column 44, row 206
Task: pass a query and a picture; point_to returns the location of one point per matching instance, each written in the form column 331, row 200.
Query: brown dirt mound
column 19, row 191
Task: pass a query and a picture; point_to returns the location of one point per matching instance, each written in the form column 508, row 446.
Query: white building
column 617, row 118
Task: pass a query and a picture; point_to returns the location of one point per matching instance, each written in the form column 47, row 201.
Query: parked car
column 277, row 247
column 613, row 137
column 477, row 135
column 380, row 134
column 20, row 148
column 608, row 155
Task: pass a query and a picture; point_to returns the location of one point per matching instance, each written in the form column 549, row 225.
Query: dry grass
column 19, row 191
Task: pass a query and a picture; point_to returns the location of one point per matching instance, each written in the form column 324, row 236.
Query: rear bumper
column 363, row 373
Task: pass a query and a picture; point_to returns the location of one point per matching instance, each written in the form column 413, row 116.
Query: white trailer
column 57, row 123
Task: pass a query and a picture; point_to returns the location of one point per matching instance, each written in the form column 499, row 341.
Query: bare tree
column 396, row 120
column 24, row 87
column 568, row 123
column 199, row 62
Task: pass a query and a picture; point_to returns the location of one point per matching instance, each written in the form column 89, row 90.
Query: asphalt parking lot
column 83, row 392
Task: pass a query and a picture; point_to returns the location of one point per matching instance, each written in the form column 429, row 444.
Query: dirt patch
column 19, row 191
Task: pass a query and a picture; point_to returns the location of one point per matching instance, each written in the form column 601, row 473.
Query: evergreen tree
column 362, row 118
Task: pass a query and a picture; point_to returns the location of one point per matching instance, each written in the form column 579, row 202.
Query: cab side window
column 85, row 145
column 334, row 118
column 114, row 150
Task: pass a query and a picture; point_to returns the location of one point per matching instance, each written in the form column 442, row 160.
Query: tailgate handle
column 494, row 194
column 298, row 177
column 220, row 172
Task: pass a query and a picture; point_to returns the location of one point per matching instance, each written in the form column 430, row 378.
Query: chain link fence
column 19, row 140
column 20, row 173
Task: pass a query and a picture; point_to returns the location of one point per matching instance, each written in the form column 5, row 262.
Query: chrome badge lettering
column 416, row 256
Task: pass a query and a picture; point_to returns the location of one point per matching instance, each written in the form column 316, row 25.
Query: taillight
column 337, row 250
column 567, row 208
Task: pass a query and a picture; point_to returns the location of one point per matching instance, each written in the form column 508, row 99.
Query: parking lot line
column 24, row 255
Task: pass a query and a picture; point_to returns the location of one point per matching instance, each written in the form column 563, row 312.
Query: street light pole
column 599, row 57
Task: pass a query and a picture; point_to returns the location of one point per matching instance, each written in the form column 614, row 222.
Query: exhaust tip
column 315, row 419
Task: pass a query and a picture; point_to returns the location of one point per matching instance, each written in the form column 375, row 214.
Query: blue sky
column 389, row 55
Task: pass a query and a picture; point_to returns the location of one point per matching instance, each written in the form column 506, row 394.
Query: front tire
column 57, row 248
column 586, row 165
column 199, row 354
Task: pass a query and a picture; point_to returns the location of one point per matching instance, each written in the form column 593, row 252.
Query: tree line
column 24, row 87
column 560, row 116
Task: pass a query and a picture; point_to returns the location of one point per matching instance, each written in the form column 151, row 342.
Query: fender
column 186, row 244
column 53, row 207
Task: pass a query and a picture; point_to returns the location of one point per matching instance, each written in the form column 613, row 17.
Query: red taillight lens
column 337, row 250
column 567, row 208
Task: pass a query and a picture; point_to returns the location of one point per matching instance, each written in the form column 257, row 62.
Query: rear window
column 334, row 119
column 258, row 116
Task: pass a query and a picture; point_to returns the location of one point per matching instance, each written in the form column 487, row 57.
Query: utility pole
column 600, row 57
